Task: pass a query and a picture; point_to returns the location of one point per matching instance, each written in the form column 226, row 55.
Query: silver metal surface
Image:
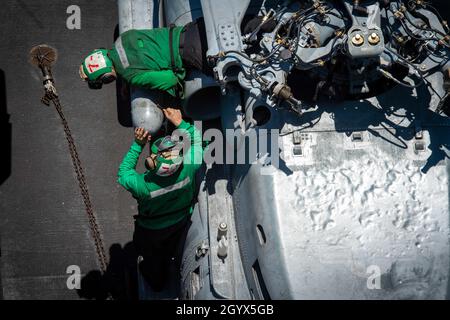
column 358, row 207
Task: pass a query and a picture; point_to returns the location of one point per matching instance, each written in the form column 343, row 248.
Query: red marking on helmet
column 90, row 66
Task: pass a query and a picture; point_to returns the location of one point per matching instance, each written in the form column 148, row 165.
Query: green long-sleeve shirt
column 158, row 195
column 142, row 58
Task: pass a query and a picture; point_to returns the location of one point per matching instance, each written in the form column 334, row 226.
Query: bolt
column 358, row 39
column 374, row 38
column 222, row 231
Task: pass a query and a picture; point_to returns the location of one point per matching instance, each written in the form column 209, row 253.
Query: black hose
column 411, row 34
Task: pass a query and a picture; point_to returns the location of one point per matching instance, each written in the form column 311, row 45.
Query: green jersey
column 163, row 200
column 142, row 58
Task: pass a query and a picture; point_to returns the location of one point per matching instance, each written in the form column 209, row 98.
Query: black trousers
column 158, row 247
column 193, row 47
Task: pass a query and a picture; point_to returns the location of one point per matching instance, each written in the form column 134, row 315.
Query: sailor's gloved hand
column 141, row 136
column 173, row 115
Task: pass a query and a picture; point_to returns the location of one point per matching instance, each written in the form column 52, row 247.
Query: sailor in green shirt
column 164, row 193
column 152, row 58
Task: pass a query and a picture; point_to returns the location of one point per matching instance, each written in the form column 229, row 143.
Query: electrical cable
column 391, row 77
column 406, row 61
column 274, row 50
column 427, row 5
column 423, row 28
column 411, row 33
column 436, row 12
column 261, row 25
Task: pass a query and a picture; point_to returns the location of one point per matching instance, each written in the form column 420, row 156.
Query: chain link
column 51, row 95
column 44, row 56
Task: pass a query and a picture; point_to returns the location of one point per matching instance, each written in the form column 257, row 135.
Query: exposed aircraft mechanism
column 346, row 49
column 357, row 207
